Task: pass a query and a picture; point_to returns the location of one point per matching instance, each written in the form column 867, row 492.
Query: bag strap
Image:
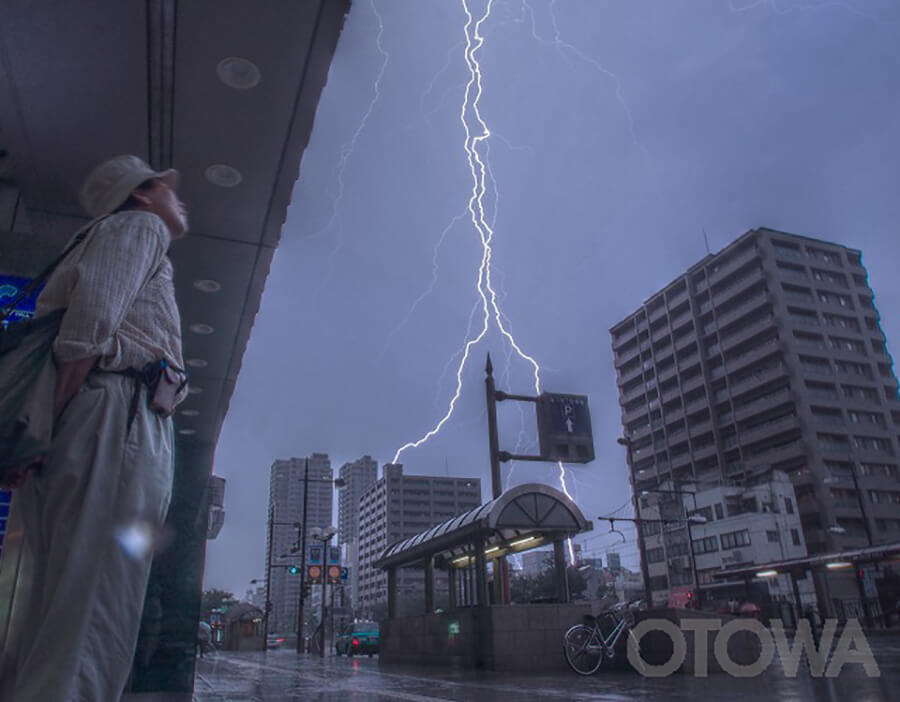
column 80, row 236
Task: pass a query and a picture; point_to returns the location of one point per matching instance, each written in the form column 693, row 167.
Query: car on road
column 274, row 641
column 358, row 638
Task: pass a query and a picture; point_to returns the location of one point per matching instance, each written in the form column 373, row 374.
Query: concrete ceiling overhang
column 83, row 81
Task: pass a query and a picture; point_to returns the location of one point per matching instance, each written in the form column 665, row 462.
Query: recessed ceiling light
column 187, row 432
column 208, row 286
column 190, row 412
column 224, row 176
column 238, row 73
column 197, row 363
column 194, row 390
column 201, row 328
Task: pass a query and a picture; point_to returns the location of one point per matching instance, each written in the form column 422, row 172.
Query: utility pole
column 301, row 600
column 642, row 550
column 268, row 605
column 324, row 612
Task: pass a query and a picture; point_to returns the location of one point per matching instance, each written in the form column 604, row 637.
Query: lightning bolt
column 773, row 5
column 346, row 152
column 561, row 46
column 476, row 207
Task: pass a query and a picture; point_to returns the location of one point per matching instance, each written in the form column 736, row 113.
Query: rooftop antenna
column 446, row 466
column 706, row 241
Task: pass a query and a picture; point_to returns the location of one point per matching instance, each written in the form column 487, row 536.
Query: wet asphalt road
column 279, row 676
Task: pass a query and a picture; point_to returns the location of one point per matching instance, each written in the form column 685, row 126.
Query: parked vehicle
column 358, row 638
column 274, row 641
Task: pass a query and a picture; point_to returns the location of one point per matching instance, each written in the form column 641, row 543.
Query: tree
column 543, row 586
column 215, row 599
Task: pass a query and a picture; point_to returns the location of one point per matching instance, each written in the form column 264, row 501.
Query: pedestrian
column 90, row 509
column 204, row 638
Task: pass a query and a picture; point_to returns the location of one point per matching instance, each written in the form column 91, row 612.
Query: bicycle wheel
column 584, row 652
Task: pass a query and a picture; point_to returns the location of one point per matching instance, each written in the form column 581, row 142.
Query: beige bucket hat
column 110, row 183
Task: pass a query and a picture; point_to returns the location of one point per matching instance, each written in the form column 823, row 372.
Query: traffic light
column 294, row 570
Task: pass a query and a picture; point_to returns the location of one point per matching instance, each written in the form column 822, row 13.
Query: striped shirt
column 117, row 289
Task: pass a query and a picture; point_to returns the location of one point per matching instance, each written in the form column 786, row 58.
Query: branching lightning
column 562, row 47
column 774, row 5
column 490, row 308
column 346, row 152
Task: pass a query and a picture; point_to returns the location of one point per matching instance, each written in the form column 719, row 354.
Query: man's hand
column 69, row 378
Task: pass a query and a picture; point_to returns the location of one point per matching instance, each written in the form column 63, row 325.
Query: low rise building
column 396, row 507
column 729, row 525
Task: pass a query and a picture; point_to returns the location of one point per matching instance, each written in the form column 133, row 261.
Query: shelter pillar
column 451, row 575
column 559, row 561
column 481, row 591
column 392, row 592
column 429, row 585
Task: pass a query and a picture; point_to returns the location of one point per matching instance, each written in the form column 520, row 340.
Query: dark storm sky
column 621, row 129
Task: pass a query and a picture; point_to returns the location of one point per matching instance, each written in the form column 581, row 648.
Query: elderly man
column 91, row 510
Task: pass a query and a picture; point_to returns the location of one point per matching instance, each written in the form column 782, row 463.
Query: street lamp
column 324, row 535
column 642, row 550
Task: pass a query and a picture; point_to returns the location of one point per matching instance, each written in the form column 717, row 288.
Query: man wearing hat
column 92, row 510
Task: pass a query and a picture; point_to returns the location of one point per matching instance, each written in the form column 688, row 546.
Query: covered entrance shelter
column 471, row 548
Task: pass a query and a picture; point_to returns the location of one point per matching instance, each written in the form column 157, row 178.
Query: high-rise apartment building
column 396, row 507
column 286, row 486
column 358, row 476
column 769, row 356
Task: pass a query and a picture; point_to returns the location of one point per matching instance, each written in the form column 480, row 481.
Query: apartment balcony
column 795, row 276
column 828, row 285
column 685, row 341
column 747, row 332
column 692, row 383
column 776, row 455
column 742, row 310
column 628, row 416
column 722, row 270
column 846, row 506
column 704, row 452
column 626, row 358
column 674, row 414
column 633, row 392
column 739, row 286
column 641, row 430
column 699, row 403
column 770, row 428
column 751, row 355
column 671, row 394
column 761, row 377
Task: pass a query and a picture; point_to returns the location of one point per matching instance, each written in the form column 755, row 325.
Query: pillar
column 392, row 592
column 481, row 591
column 451, row 576
column 429, row 585
column 559, row 562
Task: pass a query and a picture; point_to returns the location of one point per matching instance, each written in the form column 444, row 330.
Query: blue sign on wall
column 10, row 287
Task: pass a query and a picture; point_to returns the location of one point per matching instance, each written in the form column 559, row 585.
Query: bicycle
column 586, row 645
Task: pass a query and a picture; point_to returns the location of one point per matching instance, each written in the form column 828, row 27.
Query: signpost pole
column 493, row 438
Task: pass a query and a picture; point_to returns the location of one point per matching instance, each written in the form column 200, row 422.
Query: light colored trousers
column 75, row 626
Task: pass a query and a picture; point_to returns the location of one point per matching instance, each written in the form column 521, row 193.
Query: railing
column 801, row 321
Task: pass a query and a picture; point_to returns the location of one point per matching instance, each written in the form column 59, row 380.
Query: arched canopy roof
column 520, row 519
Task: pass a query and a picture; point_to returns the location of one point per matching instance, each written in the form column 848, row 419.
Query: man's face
column 162, row 201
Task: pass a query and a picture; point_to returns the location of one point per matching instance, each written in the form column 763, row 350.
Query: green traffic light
column 293, row 570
